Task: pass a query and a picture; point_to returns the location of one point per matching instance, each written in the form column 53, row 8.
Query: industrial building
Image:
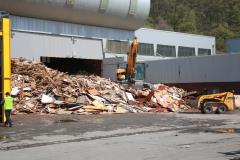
column 71, row 28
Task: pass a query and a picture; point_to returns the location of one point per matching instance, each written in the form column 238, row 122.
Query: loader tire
column 207, row 109
column 221, row 109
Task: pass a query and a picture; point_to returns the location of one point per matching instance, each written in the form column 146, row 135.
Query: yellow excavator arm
column 129, row 72
column 132, row 54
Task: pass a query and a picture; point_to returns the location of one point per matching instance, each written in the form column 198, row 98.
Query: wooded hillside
column 219, row 18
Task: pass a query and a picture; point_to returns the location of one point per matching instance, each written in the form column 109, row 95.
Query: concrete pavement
column 129, row 136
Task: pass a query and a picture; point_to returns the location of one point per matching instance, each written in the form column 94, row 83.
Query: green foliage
column 151, row 22
column 222, row 33
column 219, row 18
column 188, row 22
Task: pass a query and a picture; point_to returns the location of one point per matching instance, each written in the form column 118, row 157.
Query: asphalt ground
column 218, row 136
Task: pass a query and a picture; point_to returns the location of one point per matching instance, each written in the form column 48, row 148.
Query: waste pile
column 39, row 89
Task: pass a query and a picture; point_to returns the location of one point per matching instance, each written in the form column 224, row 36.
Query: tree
column 188, row 23
column 222, row 33
column 219, row 18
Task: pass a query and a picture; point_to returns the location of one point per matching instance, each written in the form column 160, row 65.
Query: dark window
column 140, row 71
column 203, row 52
column 166, row 51
column 146, row 49
column 186, row 51
column 118, row 47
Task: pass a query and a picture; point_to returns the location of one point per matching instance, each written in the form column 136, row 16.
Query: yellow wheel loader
column 216, row 103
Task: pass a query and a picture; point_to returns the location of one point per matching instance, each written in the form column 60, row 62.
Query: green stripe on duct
column 104, row 5
column 133, row 7
column 70, row 2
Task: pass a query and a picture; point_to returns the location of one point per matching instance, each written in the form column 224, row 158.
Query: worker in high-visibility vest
column 8, row 106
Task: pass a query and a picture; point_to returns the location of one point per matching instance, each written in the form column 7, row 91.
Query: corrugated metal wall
column 109, row 66
column 50, row 37
column 33, row 46
column 218, row 68
column 61, row 28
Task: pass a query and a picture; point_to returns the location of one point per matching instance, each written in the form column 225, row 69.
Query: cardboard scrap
column 93, row 92
column 97, row 105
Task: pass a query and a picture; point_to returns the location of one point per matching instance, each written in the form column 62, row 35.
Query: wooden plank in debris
column 93, row 92
column 91, row 110
column 97, row 106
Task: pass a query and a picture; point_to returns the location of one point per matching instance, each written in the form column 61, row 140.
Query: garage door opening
column 74, row 65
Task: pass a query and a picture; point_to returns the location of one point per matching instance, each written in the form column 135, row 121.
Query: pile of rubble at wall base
column 39, row 89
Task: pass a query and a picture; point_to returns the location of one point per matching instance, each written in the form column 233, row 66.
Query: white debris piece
column 27, row 89
column 46, row 99
column 130, row 96
column 237, row 101
column 15, row 91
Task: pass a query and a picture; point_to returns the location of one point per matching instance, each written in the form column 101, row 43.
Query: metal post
column 6, row 59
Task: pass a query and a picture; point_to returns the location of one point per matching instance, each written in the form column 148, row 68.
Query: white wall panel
column 33, row 46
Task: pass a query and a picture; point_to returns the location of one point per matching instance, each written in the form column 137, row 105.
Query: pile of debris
column 39, row 89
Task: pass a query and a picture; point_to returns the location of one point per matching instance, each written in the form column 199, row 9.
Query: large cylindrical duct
column 124, row 14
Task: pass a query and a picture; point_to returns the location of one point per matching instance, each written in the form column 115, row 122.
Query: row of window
column 121, row 47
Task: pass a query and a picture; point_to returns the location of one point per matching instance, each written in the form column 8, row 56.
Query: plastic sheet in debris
column 47, row 99
column 237, row 101
column 15, row 91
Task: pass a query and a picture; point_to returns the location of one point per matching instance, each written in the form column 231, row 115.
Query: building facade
column 159, row 44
